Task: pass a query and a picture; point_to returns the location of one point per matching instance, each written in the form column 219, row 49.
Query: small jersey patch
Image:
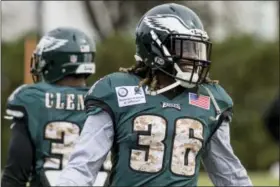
column 171, row 105
column 130, row 95
column 201, row 101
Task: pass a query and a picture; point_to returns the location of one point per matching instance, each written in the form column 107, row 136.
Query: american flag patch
column 201, row 101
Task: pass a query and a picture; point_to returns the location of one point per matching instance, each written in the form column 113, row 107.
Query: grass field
column 258, row 179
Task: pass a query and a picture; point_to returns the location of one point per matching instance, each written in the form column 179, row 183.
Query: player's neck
column 164, row 80
column 72, row 82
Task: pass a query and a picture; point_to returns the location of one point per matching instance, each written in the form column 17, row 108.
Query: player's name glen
column 64, row 101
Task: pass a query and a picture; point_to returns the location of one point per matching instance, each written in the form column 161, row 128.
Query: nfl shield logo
column 73, row 58
column 85, row 48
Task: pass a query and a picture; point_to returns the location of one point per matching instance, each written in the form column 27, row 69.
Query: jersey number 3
column 151, row 149
column 62, row 136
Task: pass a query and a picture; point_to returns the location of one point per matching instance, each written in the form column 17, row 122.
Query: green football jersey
column 55, row 116
column 158, row 141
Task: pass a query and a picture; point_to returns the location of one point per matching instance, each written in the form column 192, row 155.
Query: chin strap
column 171, row 86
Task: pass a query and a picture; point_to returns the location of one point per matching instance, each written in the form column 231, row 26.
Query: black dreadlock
column 148, row 76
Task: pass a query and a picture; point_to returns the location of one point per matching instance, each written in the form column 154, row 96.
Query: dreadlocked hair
column 148, row 76
column 210, row 81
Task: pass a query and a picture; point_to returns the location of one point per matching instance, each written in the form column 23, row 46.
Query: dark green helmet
column 170, row 35
column 63, row 52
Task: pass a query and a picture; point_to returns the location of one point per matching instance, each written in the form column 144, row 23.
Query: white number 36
column 152, row 132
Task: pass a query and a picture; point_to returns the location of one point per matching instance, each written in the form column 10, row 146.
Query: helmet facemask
column 191, row 59
column 188, row 55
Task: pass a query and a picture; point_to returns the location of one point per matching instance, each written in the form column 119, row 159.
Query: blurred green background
column 246, row 66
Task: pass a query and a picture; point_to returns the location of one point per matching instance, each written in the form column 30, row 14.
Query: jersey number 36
column 152, row 152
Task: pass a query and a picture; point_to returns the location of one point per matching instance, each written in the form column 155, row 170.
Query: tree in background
column 221, row 18
column 108, row 17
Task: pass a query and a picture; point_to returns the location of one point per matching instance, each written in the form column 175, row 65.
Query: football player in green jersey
column 161, row 117
column 49, row 115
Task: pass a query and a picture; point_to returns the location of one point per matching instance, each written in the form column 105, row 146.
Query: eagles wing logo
column 48, row 43
column 168, row 23
column 171, row 24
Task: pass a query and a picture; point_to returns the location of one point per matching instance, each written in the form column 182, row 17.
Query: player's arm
column 20, row 156
column 90, row 151
column 222, row 165
column 96, row 138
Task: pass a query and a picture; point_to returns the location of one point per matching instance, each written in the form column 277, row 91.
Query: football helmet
column 62, row 52
column 171, row 38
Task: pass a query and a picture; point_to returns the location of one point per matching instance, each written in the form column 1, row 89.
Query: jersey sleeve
column 222, row 165
column 224, row 96
column 101, row 97
column 16, row 104
column 25, row 103
column 225, row 104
